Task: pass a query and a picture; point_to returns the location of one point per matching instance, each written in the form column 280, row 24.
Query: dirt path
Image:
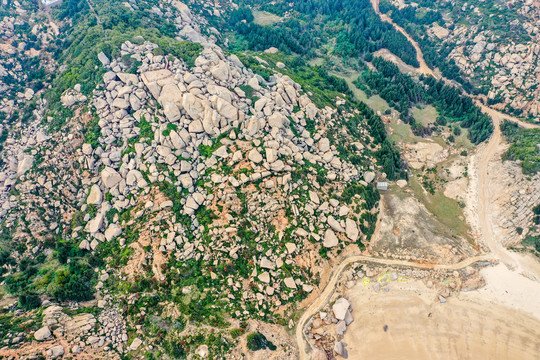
column 325, row 296
column 423, row 68
column 512, row 260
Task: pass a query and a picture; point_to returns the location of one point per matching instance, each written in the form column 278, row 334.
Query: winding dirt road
column 484, row 155
column 423, row 68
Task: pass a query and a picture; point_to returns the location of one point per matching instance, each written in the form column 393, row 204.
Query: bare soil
column 419, row 327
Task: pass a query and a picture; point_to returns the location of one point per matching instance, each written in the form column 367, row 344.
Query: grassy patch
column 375, row 102
column 446, row 210
column 265, row 18
column 425, row 115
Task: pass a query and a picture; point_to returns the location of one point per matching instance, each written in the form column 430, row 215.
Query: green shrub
column 174, row 349
column 236, row 332
column 29, row 301
column 257, row 341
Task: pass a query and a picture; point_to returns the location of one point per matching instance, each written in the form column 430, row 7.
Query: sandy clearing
column 509, row 288
column 420, row 327
column 328, row 291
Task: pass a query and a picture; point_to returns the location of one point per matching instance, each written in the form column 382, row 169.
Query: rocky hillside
column 178, row 201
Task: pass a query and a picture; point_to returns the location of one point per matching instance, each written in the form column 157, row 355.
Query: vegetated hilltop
column 164, row 197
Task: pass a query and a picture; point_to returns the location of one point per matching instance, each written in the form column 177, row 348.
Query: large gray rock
column 340, row 308
column 133, row 177
column 95, row 224
column 55, row 352
column 226, row 110
column 221, row 71
column 43, row 334
column 341, row 327
column 128, row 78
column 351, row 229
column 195, row 127
column 278, row 120
column 135, row 344
column 25, row 163
column 340, row 349
column 95, row 196
column 171, row 111
column 171, row 93
column 265, row 277
column 369, row 176
column 324, row 145
column 176, row 140
column 255, row 156
column 87, row 149
column 120, row 103
column 191, row 205
column 289, row 282
column 193, row 106
column 114, row 230
column 103, row 59
column 334, row 224
column 110, row 177
column 330, row 239
column 267, row 264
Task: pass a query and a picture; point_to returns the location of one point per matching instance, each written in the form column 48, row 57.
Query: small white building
column 382, row 186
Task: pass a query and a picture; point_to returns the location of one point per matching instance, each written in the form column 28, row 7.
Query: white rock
column 351, row 229
column 113, row 231
column 340, row 308
column 95, row 196
column 289, row 282
column 314, row 197
column 87, row 149
column 330, row 239
column 340, row 349
column 267, row 264
column 43, row 334
column 221, row 71
column 103, row 59
column 334, row 224
column 55, row 352
column 369, row 176
column 255, row 156
column 110, row 177
column 95, row 224
column 401, row 183
column 25, row 164
column 135, row 344
column 265, row 277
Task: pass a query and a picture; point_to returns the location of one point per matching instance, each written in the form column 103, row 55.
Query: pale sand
column 466, row 327
column 509, row 288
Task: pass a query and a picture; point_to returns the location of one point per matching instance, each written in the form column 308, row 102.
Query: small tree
column 257, row 341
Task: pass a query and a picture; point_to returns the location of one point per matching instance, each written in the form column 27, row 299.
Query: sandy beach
column 409, row 322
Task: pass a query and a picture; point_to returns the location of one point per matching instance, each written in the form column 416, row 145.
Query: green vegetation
column 446, row 210
column 403, row 92
column 524, row 146
column 356, row 29
column 257, row 341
